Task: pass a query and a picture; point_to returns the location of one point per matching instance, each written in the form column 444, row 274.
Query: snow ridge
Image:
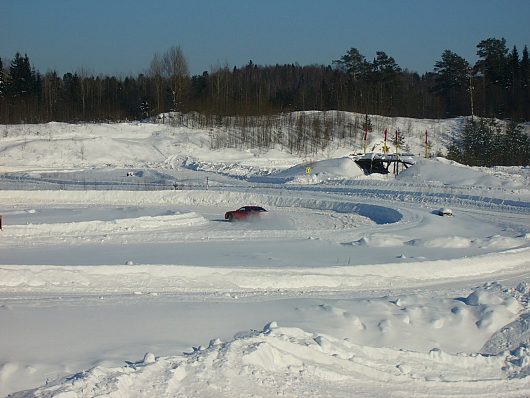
column 290, row 361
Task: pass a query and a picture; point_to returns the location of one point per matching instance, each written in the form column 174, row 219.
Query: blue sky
column 120, row 36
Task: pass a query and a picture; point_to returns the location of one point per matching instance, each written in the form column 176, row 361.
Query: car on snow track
column 444, row 212
column 244, row 213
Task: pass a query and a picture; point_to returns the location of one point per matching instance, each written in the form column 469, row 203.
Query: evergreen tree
column 23, row 81
column 485, row 143
column 384, row 76
column 367, row 124
column 377, row 87
column 516, row 146
column 493, row 62
column 384, row 68
column 354, row 64
column 493, row 65
column 452, row 82
column 514, row 66
column 399, row 140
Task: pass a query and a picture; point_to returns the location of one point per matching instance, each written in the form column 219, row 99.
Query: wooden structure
column 383, row 163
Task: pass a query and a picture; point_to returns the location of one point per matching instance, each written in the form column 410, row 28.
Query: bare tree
column 175, row 68
column 83, row 74
column 155, row 72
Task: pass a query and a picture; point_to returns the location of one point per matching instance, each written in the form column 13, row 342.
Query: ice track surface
column 315, row 242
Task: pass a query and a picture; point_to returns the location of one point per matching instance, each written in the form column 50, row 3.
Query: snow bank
column 318, row 171
column 292, row 362
column 88, row 228
column 180, row 278
column 440, row 171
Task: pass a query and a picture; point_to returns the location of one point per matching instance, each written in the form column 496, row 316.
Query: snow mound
column 440, row 171
column 443, row 242
column 98, row 227
column 513, row 335
column 315, row 172
column 287, row 361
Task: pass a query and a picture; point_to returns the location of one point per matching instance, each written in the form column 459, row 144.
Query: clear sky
column 119, row 37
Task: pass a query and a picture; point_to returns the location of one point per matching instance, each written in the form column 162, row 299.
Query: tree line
column 488, row 142
column 497, row 85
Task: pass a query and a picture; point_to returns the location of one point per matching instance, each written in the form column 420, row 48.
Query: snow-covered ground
column 120, row 277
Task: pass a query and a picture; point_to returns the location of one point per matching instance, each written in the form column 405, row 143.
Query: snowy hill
column 151, row 144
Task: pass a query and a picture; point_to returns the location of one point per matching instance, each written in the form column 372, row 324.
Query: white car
column 444, row 212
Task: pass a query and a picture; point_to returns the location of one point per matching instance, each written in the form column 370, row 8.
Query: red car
column 244, row 212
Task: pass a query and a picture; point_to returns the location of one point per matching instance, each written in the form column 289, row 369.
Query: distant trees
column 497, row 86
column 486, row 142
column 373, row 87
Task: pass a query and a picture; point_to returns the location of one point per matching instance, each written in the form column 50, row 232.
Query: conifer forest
column 496, row 86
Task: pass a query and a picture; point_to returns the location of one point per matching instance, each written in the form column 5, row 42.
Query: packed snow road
column 315, row 242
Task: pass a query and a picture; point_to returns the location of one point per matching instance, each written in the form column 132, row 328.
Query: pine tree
column 514, row 66
column 494, row 67
column 452, row 82
column 354, row 64
column 468, row 147
column 23, row 81
column 399, row 142
column 516, row 148
column 493, row 61
column 384, row 76
column 367, row 124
